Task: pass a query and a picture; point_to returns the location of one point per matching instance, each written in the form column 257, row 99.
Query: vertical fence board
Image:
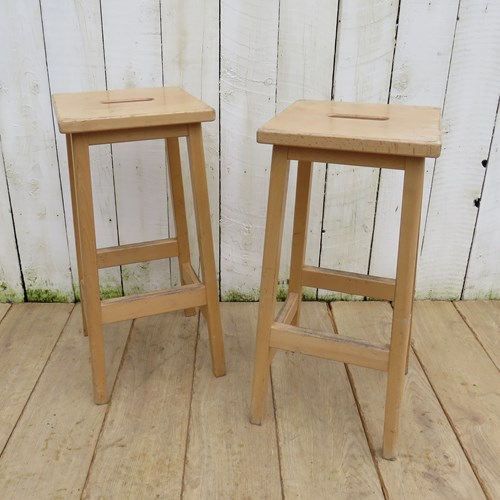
column 190, row 37
column 75, row 61
column 419, row 77
column 249, row 32
column 30, row 157
column 132, row 47
column 468, row 120
column 11, row 287
column 305, row 66
column 483, row 274
column 362, row 72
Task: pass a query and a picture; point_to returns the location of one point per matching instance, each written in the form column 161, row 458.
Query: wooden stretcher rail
column 135, row 134
column 163, row 301
column 328, row 346
column 353, row 283
column 356, row 159
column 137, row 252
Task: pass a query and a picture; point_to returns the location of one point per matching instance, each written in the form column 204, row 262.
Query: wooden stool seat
column 104, row 117
column 373, row 135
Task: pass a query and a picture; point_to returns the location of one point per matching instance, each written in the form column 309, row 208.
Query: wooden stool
column 382, row 136
column 134, row 115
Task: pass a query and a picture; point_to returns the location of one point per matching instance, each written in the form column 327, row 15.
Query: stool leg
column 69, row 147
column 403, row 301
column 205, row 242
column 89, row 279
column 270, row 268
column 181, row 230
column 299, row 242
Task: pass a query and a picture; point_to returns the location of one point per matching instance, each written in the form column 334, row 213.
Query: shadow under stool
column 106, row 117
column 372, row 135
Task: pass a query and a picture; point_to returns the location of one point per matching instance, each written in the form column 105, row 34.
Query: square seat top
column 368, row 128
column 128, row 108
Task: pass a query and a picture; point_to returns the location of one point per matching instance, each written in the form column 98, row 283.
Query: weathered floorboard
column 52, row 445
column 483, row 317
column 140, row 453
column 323, row 449
column 28, row 334
column 430, row 462
column 466, row 382
column 227, row 457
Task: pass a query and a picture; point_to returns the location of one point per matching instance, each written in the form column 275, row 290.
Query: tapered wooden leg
column 69, row 147
column 299, row 241
column 270, row 268
column 205, row 242
column 181, row 229
column 403, row 301
column 89, row 279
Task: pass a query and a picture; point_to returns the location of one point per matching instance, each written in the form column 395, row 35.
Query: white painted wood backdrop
column 249, row 60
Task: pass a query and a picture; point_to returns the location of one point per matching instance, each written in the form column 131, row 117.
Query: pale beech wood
column 179, row 206
column 60, row 423
column 466, row 381
column 136, row 134
column 137, row 252
column 189, row 274
column 74, row 209
column 278, row 184
column 146, row 304
column 299, row 240
column 353, row 283
column 355, row 158
column 483, row 317
column 322, row 345
column 289, row 309
column 88, row 111
column 28, row 334
column 89, row 280
column 227, row 457
column 403, row 300
column 408, row 130
column 205, row 243
column 432, row 465
column 140, row 453
column 3, row 310
column 323, row 450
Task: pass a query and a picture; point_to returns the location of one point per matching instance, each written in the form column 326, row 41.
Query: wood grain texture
column 363, row 64
column 306, row 48
column 28, row 332
column 483, row 278
column 3, row 310
column 447, row 349
column 132, row 46
column 140, row 453
column 11, row 287
column 419, row 77
column 227, row 457
column 190, row 42
column 459, row 174
column 430, row 462
column 483, row 317
column 249, row 39
column 60, row 420
column 29, row 153
column 323, row 449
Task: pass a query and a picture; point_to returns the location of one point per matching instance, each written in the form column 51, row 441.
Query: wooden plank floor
column 172, row 430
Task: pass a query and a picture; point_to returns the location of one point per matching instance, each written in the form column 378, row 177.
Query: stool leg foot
column 205, row 242
column 179, row 207
column 403, row 301
column 299, row 242
column 270, row 268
